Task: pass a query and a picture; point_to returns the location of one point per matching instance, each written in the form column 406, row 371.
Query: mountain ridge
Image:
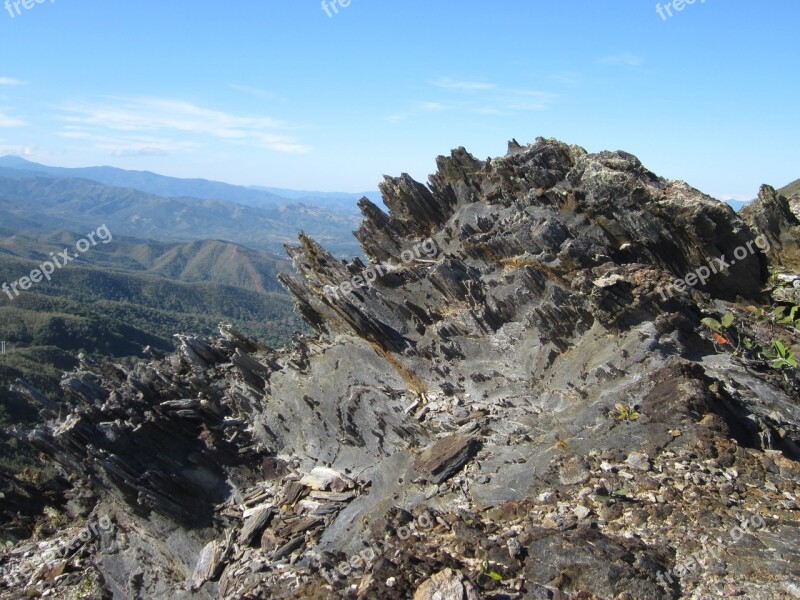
column 204, row 189
column 791, row 189
column 524, row 413
column 214, row 261
column 47, row 202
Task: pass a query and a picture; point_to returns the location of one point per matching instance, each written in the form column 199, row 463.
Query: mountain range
column 151, row 206
column 118, row 298
column 211, row 261
column 186, row 255
column 162, row 185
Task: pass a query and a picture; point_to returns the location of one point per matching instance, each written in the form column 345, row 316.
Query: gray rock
column 445, row 458
column 529, row 294
column 447, row 585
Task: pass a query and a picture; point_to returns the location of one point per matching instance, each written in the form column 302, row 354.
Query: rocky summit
column 556, row 375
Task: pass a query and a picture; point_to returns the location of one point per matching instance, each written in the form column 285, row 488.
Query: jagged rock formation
column 512, row 400
column 794, row 203
column 774, row 217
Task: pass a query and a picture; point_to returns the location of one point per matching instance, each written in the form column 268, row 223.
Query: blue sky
column 277, row 93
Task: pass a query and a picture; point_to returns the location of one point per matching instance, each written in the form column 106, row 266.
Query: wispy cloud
column 451, row 84
column 126, row 145
column 10, row 81
column 9, row 121
column 17, row 150
column 625, row 59
column 434, row 106
column 164, row 120
column 257, row 92
column 141, row 151
column 527, row 100
column 477, row 97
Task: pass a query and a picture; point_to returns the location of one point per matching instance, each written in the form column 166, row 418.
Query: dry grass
column 415, row 383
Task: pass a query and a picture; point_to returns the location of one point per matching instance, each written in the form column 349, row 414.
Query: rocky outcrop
column 794, row 204
column 514, row 398
column 773, row 217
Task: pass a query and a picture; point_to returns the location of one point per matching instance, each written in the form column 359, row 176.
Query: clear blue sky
column 276, row 92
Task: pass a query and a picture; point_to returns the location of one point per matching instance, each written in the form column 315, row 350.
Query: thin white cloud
column 10, row 81
column 434, row 106
column 141, row 151
column 9, row 121
column 625, row 59
column 166, row 119
column 257, row 92
column 472, row 86
column 477, row 98
column 17, row 150
column 527, row 100
column 126, row 145
column 419, row 108
column 490, row 110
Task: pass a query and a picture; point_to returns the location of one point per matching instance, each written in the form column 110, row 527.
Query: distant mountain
column 118, row 299
column 33, row 201
column 341, row 200
column 300, row 194
column 153, row 183
column 161, row 185
column 211, row 261
column 792, row 188
column 97, row 305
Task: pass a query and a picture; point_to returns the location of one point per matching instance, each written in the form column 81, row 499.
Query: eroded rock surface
column 524, row 405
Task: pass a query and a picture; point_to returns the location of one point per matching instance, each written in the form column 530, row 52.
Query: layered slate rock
column 532, row 409
column 445, row 458
column 772, row 216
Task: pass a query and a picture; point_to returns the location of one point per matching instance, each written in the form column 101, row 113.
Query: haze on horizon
column 297, row 95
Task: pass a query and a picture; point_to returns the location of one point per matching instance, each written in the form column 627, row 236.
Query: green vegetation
column 487, row 572
column 773, row 351
column 89, row 589
column 779, row 356
column 206, row 260
column 112, row 314
column 116, row 314
column 792, row 188
column 627, row 413
column 120, row 297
